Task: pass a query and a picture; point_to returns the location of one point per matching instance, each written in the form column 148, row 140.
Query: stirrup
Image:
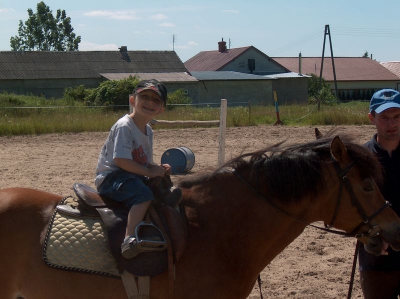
column 149, row 237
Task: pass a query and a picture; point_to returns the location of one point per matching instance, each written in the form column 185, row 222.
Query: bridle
column 366, row 220
column 373, row 231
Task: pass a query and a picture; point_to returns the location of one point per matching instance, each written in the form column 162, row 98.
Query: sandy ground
column 315, row 265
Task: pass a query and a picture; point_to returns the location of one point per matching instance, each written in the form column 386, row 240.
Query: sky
column 278, row 28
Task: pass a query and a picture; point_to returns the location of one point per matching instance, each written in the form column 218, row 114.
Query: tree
column 44, row 32
column 314, row 87
column 323, row 92
column 366, row 55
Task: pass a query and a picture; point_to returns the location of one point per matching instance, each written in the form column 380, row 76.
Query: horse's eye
column 368, row 185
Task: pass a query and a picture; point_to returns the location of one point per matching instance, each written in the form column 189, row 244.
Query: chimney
column 124, row 53
column 222, row 46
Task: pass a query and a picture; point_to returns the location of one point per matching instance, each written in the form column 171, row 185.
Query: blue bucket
column 181, row 159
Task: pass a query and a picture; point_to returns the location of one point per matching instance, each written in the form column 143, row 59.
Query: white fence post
column 222, row 130
column 130, row 106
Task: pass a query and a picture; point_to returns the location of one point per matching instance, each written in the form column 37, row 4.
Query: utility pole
column 173, row 42
column 327, row 32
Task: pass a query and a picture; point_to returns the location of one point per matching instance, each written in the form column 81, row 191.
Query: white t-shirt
column 124, row 141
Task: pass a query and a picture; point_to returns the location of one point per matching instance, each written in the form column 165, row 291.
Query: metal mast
column 327, row 32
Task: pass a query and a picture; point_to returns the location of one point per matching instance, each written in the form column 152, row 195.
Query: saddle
column 164, row 228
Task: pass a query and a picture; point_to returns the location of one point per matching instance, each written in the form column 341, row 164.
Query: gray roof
column 287, row 75
column 85, row 64
column 226, row 75
column 162, row 77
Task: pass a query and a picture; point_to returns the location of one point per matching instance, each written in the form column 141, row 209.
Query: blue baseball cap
column 384, row 99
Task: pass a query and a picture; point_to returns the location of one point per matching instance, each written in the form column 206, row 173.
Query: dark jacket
column 391, row 192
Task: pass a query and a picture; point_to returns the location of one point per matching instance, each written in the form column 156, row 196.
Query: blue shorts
column 125, row 187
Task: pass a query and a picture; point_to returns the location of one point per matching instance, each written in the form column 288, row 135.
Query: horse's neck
column 234, row 217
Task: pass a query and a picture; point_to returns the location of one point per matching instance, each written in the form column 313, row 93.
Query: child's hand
column 167, row 168
column 156, row 171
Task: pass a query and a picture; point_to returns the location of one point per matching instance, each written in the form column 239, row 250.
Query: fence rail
column 217, row 105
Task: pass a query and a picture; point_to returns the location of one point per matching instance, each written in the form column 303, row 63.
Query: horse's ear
column 338, row 150
column 318, row 134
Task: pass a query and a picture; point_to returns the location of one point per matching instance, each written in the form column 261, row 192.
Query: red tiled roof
column 347, row 68
column 213, row 60
column 393, row 66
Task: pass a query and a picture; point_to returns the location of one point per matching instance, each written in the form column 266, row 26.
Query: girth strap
column 171, row 266
column 132, row 290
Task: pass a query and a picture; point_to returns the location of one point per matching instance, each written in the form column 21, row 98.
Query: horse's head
column 365, row 213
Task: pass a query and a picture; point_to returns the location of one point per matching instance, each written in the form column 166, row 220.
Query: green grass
column 35, row 115
column 61, row 120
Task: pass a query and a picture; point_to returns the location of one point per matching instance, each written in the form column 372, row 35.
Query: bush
column 178, row 97
column 78, row 93
column 325, row 96
column 10, row 100
column 324, row 93
column 113, row 92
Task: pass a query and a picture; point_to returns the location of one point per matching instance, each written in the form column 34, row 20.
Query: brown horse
column 240, row 217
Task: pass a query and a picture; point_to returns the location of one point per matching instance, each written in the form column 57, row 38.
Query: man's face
column 387, row 123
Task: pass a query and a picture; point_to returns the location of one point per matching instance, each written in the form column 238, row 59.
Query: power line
column 375, row 32
column 298, row 42
column 342, row 31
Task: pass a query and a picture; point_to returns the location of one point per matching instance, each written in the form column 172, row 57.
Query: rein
column 375, row 230
column 344, row 181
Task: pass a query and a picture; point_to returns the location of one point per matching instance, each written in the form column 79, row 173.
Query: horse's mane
column 290, row 172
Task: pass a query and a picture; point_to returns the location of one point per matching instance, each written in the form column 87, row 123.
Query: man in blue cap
column 380, row 275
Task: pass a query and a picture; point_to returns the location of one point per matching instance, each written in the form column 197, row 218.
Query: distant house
column 239, row 75
column 245, row 74
column 248, row 60
column 49, row 73
column 236, row 87
column 356, row 77
column 394, row 67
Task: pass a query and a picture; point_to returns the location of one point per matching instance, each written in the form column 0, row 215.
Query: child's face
column 148, row 102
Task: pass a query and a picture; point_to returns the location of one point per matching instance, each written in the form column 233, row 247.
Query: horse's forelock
column 367, row 162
